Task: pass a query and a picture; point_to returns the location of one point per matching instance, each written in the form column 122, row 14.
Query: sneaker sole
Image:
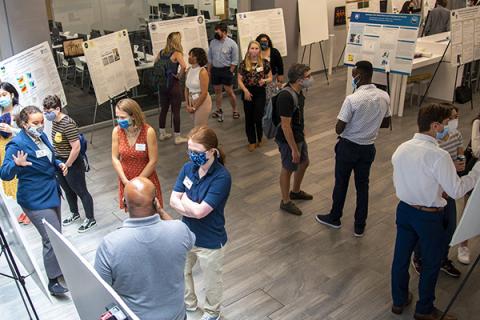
column 85, row 230
column 69, row 223
column 191, row 309
column 450, row 274
column 327, row 224
column 358, row 235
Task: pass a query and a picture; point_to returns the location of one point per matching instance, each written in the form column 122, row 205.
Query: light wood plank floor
column 277, row 266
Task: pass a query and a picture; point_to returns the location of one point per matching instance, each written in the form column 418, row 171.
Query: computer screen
column 206, row 14
column 192, row 11
column 73, row 47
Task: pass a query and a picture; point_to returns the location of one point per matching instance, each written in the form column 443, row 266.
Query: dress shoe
column 399, row 309
column 435, row 315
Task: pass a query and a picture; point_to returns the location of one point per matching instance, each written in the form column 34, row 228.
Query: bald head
column 140, row 197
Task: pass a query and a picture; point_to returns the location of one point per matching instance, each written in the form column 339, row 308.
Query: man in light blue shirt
column 144, row 260
column 222, row 62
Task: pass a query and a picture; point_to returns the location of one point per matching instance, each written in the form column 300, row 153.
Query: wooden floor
column 277, row 266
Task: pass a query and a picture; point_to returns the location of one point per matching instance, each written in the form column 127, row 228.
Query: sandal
column 236, row 115
column 217, row 113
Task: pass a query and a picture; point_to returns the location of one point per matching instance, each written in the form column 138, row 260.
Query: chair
column 63, row 63
column 79, row 68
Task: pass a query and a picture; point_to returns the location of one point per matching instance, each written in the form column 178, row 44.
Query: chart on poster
column 388, row 41
column 111, row 65
column 34, row 74
column 253, row 23
column 465, row 34
column 192, row 30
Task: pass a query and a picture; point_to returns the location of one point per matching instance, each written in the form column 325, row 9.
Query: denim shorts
column 286, row 154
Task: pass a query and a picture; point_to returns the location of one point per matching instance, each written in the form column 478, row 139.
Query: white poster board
column 192, row 29
column 253, row 23
column 111, row 65
column 469, row 226
column 34, row 74
column 387, row 40
column 90, row 293
column 9, row 210
column 465, row 35
column 313, row 17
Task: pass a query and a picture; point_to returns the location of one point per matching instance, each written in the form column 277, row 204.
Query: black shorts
column 222, row 76
column 286, row 155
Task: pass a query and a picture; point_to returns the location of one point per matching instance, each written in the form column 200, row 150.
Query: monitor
column 95, row 34
column 83, row 36
column 108, row 31
column 179, row 10
column 206, row 14
column 165, row 9
column 73, row 47
column 192, row 12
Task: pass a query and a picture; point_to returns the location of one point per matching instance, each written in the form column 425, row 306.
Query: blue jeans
column 449, row 223
column 427, row 229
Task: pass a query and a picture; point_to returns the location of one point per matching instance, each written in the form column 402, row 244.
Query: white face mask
column 453, row 125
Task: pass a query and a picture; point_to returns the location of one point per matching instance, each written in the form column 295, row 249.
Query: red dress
column 134, row 159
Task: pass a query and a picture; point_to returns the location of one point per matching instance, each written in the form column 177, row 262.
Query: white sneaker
column 463, row 255
column 191, row 309
column 179, row 139
column 206, row 316
column 163, row 135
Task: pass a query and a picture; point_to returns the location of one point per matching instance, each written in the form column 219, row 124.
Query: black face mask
column 218, row 36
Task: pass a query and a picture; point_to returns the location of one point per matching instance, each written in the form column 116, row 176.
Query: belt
column 427, row 209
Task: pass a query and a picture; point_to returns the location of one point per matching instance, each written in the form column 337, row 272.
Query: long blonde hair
column 174, row 43
column 248, row 62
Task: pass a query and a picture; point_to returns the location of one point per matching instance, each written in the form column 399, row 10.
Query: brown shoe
column 435, row 315
column 399, row 309
column 251, row 147
column 260, row 143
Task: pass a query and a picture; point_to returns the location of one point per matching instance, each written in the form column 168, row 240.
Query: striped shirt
column 64, row 132
column 451, row 145
column 363, row 112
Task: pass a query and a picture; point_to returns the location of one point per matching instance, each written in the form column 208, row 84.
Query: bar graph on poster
column 34, row 74
column 388, row 41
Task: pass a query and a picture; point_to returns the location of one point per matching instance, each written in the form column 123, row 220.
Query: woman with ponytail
column 200, row 195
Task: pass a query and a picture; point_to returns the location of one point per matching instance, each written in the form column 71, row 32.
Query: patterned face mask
column 198, row 158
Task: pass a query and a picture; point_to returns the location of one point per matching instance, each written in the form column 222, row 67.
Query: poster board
column 387, row 40
column 469, row 226
column 73, row 48
column 90, row 293
column 361, row 6
column 313, row 17
column 253, row 23
column 192, row 29
column 111, row 65
column 465, row 34
column 34, row 74
column 9, row 210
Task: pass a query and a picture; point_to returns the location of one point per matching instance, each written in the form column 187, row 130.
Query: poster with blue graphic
column 388, row 41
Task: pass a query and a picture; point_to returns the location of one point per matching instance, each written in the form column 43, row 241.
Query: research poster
column 469, row 226
column 192, row 29
column 386, row 40
column 251, row 24
column 465, row 34
column 111, row 65
column 34, row 74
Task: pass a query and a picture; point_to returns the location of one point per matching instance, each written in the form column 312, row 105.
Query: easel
column 16, row 276
column 124, row 94
column 469, row 79
column 310, row 58
column 387, row 72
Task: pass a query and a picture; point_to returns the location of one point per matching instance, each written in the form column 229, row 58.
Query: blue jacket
column 37, row 184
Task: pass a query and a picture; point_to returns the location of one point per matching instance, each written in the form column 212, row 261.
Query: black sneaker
column 417, row 264
column 359, row 231
column 301, row 195
column 450, row 269
column 290, row 207
column 71, row 219
column 327, row 220
column 56, row 289
column 87, row 225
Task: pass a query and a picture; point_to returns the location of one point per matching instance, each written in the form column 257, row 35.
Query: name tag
column 187, row 183
column 259, row 69
column 58, row 137
column 41, row 153
column 140, row 147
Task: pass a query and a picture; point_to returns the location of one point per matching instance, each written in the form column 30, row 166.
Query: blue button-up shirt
column 214, row 189
column 223, row 53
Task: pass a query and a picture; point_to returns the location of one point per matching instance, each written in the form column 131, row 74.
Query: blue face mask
column 354, row 84
column 123, row 123
column 50, row 116
column 443, row 133
column 5, row 101
column 35, row 131
column 198, row 158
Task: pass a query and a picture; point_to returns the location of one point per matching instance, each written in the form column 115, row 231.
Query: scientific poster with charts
column 111, row 65
column 251, row 24
column 34, row 74
column 465, row 34
column 192, row 29
column 388, row 41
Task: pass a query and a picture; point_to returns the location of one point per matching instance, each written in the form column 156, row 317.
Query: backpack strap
column 294, row 96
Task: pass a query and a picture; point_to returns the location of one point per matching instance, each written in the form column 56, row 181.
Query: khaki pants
column 211, row 263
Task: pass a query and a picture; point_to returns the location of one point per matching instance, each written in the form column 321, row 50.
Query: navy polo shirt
column 214, row 189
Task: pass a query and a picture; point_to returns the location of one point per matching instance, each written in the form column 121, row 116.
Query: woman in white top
column 198, row 100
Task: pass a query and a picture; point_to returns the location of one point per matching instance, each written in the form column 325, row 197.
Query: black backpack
column 271, row 119
column 160, row 72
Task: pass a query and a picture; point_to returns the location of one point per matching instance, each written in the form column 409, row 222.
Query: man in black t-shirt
column 291, row 137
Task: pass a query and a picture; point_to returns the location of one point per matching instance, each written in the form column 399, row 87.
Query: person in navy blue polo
column 200, row 195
